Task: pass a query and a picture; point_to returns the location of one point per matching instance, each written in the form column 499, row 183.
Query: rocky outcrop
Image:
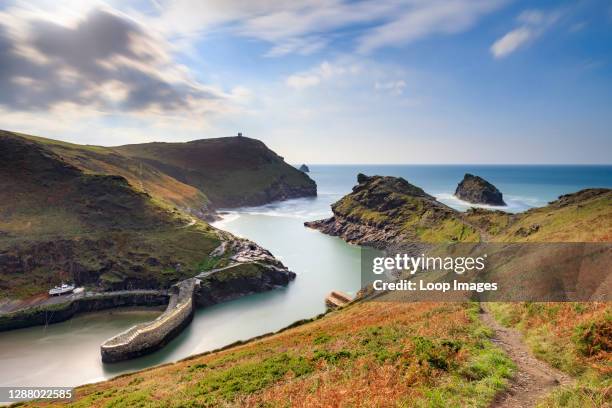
column 304, row 168
column 382, row 211
column 476, row 190
column 250, row 269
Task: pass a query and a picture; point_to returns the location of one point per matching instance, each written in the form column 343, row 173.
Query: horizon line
column 452, row 164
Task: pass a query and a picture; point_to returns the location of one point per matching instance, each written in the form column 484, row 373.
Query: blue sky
column 319, row 81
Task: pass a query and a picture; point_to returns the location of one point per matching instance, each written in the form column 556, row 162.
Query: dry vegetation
column 371, row 354
column 573, row 337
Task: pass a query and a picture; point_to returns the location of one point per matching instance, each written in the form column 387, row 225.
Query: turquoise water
column 68, row 353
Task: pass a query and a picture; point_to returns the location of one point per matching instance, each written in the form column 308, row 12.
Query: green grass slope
column 142, row 177
column 58, row 222
column 231, row 171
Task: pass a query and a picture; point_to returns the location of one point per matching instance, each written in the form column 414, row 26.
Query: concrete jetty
column 147, row 337
column 337, row 299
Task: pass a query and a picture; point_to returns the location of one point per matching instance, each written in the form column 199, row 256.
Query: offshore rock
column 476, row 190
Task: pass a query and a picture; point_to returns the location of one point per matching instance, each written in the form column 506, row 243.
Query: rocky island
column 476, row 190
column 304, row 168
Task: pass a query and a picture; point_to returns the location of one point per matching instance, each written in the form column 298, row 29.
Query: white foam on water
column 226, row 217
column 300, row 208
column 514, row 203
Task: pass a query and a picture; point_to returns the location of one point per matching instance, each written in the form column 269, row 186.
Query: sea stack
column 476, row 190
column 304, row 168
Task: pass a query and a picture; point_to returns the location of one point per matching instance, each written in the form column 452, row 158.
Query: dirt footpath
column 533, row 379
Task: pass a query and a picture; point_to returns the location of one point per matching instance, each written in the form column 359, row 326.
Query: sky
column 319, row 81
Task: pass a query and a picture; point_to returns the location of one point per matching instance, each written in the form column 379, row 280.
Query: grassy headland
column 231, row 171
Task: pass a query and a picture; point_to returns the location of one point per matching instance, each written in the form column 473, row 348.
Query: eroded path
column 533, row 379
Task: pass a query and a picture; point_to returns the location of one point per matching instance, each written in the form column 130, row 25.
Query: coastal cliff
column 381, row 211
column 230, row 171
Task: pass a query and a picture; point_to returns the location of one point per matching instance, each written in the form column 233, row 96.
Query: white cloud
column 323, row 72
column 301, row 81
column 72, row 70
column 296, row 26
column 425, row 18
column 511, row 41
column 532, row 24
column 393, row 87
column 300, row 46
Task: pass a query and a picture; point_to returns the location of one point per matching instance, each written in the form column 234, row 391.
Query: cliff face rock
column 384, row 210
column 476, row 190
column 304, row 168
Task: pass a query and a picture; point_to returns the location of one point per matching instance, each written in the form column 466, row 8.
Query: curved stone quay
column 147, row 337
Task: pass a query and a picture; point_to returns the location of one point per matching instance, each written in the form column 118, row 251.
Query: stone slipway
column 147, row 337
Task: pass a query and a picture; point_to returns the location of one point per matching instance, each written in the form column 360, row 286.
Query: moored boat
column 61, row 290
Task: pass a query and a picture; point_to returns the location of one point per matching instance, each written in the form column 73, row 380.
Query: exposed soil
column 533, row 379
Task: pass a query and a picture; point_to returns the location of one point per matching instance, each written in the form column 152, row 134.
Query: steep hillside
column 584, row 216
column 369, row 354
column 573, row 337
column 231, row 171
column 61, row 223
column 142, row 177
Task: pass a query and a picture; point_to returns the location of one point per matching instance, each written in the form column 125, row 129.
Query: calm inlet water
column 68, row 353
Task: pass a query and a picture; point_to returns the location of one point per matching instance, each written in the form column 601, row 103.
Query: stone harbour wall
column 148, row 337
column 62, row 308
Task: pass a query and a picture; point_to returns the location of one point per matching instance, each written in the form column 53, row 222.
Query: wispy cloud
column 532, row 24
column 394, row 87
column 323, row 72
column 297, row 26
column 422, row 19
